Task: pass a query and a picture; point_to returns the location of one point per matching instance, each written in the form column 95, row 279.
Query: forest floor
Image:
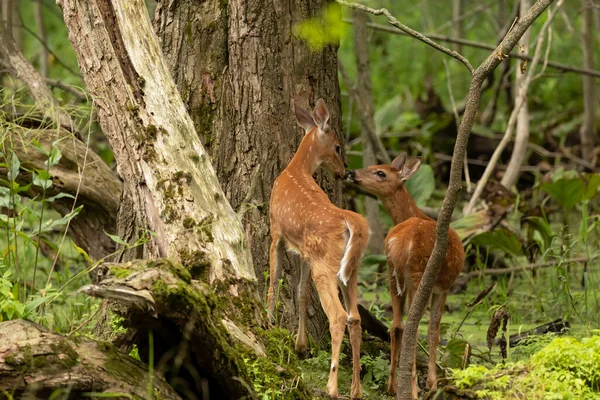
column 530, row 300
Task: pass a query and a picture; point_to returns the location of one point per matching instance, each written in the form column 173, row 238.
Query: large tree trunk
column 169, row 184
column 238, row 66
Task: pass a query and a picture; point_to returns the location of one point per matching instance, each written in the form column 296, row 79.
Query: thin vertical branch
column 457, row 122
column 441, row 243
column 513, row 116
column 522, row 131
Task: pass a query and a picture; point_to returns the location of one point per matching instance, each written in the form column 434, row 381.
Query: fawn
column 330, row 240
column 408, row 248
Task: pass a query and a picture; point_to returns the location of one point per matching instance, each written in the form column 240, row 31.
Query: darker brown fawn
column 330, row 240
column 408, row 248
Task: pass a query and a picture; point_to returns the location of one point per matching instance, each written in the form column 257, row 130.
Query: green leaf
column 15, row 164
column 117, row 239
column 41, row 178
column 82, row 252
column 500, row 239
column 421, row 185
column 55, row 156
column 59, row 196
column 593, row 183
column 566, row 191
column 324, row 30
column 542, row 227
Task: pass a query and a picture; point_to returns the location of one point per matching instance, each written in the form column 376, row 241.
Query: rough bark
column 36, row 363
column 238, row 66
column 169, row 183
column 441, row 243
column 587, row 134
column 98, row 189
column 511, row 176
column 194, row 336
column 365, row 93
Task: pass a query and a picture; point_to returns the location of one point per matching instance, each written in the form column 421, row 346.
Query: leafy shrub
column 564, row 369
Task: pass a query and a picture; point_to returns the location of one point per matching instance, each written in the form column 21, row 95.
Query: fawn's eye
column 380, row 174
column 338, row 149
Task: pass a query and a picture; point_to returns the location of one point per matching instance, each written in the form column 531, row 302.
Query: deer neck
column 306, row 159
column 401, row 207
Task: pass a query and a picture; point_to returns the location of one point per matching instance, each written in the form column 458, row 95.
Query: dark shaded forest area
column 158, row 158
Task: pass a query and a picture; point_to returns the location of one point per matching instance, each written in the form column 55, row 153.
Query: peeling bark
column 170, row 186
column 36, row 363
column 238, row 66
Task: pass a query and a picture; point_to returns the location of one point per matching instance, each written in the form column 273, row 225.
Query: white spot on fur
column 343, row 273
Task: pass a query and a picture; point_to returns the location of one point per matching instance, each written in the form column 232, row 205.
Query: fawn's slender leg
column 350, row 294
column 302, row 289
column 275, row 255
column 328, row 294
column 396, row 335
column 437, row 307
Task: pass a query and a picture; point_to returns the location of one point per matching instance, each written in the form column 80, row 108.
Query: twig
column 419, row 36
column 482, row 46
column 385, row 157
column 457, row 121
column 48, row 49
column 75, row 91
column 513, row 116
column 482, row 163
column 504, row 271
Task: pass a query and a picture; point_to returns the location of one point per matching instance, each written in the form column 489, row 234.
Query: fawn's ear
column 321, row 116
column 410, row 167
column 399, row 161
column 303, row 118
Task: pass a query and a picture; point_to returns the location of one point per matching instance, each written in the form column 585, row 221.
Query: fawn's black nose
column 350, row 174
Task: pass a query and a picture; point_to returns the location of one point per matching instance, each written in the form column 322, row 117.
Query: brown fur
column 304, row 220
column 408, row 248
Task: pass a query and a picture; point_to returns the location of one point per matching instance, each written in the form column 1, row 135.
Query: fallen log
column 36, row 363
column 559, row 326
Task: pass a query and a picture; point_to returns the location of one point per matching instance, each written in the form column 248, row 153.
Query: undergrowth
column 567, row 368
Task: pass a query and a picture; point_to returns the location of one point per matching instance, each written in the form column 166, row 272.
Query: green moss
column 197, row 263
column 188, row 223
column 194, row 157
column 151, row 132
column 276, row 375
column 119, row 272
column 188, row 32
column 204, row 122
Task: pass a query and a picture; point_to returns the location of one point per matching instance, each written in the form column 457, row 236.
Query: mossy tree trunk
column 169, row 184
column 238, row 66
